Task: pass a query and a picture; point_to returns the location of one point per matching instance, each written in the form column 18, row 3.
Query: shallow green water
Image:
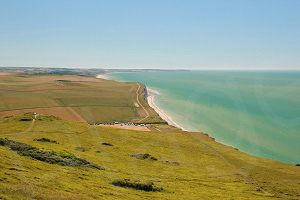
column 256, row 112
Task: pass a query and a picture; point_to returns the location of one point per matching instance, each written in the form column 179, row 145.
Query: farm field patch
column 98, row 101
column 64, row 78
column 106, row 114
column 75, row 98
column 18, row 102
column 4, row 73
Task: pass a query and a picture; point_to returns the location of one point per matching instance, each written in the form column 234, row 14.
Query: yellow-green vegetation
column 75, row 98
column 52, row 157
column 149, row 187
column 186, row 165
column 107, row 113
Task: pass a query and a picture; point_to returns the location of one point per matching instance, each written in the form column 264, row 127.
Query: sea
column 257, row 112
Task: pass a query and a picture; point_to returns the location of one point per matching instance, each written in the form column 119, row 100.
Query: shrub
column 149, row 187
column 45, row 140
column 52, row 157
column 106, row 144
column 25, row 119
column 143, row 156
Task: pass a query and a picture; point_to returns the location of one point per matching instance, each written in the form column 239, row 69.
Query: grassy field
column 63, row 112
column 94, row 100
column 106, row 114
column 185, row 165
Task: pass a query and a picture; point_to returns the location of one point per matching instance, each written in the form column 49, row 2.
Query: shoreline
column 161, row 113
column 151, row 103
column 102, row 76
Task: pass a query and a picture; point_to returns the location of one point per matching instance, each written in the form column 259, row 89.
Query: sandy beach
column 102, row 76
column 161, row 113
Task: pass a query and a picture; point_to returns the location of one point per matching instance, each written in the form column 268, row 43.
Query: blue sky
column 192, row 34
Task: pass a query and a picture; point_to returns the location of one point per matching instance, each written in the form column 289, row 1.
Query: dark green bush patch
column 45, row 140
column 106, row 144
column 24, row 119
column 52, row 157
column 27, row 117
column 143, row 156
column 64, row 80
column 148, row 187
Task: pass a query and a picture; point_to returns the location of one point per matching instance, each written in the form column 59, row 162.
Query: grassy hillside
column 76, row 98
column 172, row 165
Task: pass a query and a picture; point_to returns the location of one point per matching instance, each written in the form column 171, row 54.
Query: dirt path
column 138, row 101
column 27, row 130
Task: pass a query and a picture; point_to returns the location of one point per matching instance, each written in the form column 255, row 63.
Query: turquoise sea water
column 256, row 112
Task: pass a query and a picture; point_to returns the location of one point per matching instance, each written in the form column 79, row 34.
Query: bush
column 106, row 144
column 25, row 119
column 45, row 140
column 149, row 187
column 143, row 156
column 52, row 157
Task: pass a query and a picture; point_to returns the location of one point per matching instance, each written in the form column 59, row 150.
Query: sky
column 167, row 34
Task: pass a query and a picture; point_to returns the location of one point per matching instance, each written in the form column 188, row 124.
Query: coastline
column 102, row 76
column 161, row 113
column 150, row 101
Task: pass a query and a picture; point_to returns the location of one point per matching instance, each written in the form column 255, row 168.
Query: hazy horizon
column 169, row 68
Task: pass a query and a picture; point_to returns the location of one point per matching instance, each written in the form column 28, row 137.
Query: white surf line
column 137, row 99
column 162, row 114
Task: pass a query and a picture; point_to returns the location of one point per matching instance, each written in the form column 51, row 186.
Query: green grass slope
column 168, row 165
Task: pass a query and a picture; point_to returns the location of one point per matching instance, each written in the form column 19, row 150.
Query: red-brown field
column 4, row 73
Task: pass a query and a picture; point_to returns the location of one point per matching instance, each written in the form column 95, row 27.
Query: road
column 138, row 101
